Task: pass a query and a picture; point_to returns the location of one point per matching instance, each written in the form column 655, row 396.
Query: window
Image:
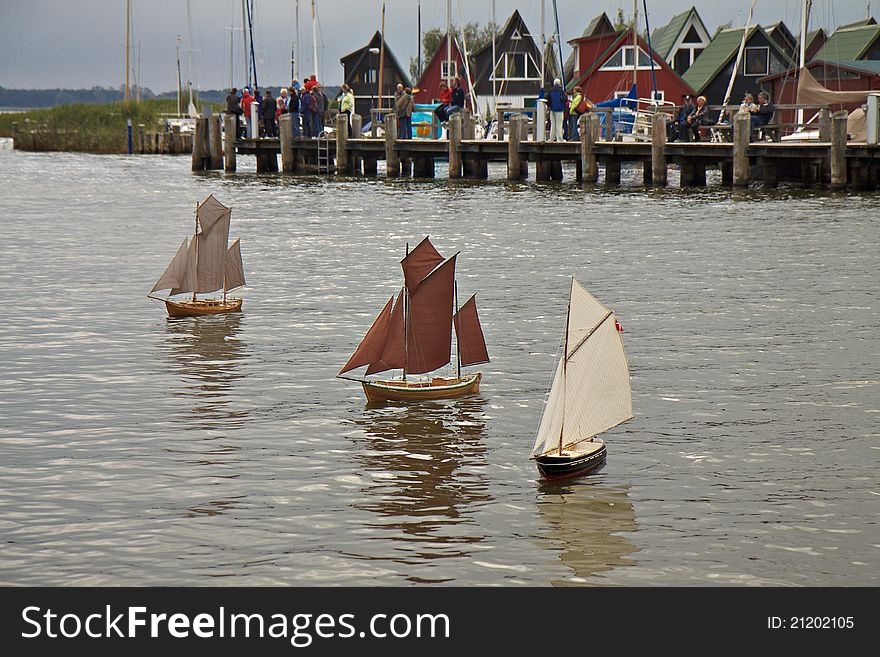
column 623, row 59
column 682, row 61
column 757, row 61
column 692, row 36
column 370, row 76
column 516, row 66
column 448, row 69
column 658, row 95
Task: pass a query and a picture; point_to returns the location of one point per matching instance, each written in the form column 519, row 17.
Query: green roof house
column 710, row 74
column 681, row 40
column 851, row 44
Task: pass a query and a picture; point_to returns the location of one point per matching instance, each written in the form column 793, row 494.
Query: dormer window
column 623, row 59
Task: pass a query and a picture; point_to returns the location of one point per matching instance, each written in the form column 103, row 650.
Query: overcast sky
column 81, row 43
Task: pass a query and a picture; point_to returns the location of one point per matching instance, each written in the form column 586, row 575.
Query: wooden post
column 392, row 161
column 825, row 125
column 861, row 175
column 647, row 172
column 542, row 168
column 742, row 129
column 406, row 166
column 200, row 145
column 357, row 132
column 454, row 146
column 370, row 165
column 499, row 124
column 808, row 172
column 555, row 169
column 726, row 173
column 342, row 161
column 769, row 173
column 285, row 138
column 658, row 150
column 589, row 129
column 141, row 130
column 686, row 174
column 700, row 174
column 524, row 159
column 229, row 142
column 612, row 172
column 481, row 168
column 838, row 145
column 514, row 165
column 468, row 131
column 609, row 125
column 215, row 142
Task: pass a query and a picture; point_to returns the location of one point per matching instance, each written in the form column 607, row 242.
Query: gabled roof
column 862, row 23
column 359, row 54
column 664, row 37
column 441, row 54
column 601, row 24
column 849, row 42
column 506, row 31
column 780, row 30
column 718, row 54
column 864, row 67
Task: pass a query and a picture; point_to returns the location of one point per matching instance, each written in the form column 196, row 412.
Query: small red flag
column 618, row 326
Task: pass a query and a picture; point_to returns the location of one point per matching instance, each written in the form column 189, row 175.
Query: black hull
column 554, row 467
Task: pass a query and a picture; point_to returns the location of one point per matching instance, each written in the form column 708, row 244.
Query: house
column 600, row 25
column 783, row 37
column 438, row 69
column 681, row 40
column 815, row 40
column 605, row 69
column 710, row 74
column 834, row 76
column 514, row 77
column 361, row 73
column 858, row 42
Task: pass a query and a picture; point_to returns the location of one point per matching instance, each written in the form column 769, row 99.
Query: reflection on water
column 206, row 352
column 429, row 459
column 583, row 523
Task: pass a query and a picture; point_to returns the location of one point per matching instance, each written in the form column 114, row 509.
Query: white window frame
column 659, row 95
column 625, row 66
column 371, row 76
column 766, row 71
column 528, row 59
column 444, row 65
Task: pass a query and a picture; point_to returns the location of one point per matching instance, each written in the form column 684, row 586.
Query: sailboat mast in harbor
column 414, row 334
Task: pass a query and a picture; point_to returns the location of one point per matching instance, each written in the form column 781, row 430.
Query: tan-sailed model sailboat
column 203, row 266
column 414, row 334
column 590, row 393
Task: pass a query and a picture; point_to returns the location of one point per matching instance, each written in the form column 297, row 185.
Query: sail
column 591, row 391
column 189, row 282
column 234, row 268
column 209, row 212
column 418, row 263
column 371, row 347
column 175, row 273
column 429, row 330
column 393, row 354
column 212, row 246
column 810, row 92
column 469, row 333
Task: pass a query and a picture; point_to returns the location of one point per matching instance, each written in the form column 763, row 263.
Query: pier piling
column 838, row 147
column 658, row 154
column 357, row 132
column 514, row 168
column 455, row 129
column 215, row 143
column 392, row 160
column 342, row 161
column 229, row 143
column 589, row 126
column 742, row 130
column 285, row 138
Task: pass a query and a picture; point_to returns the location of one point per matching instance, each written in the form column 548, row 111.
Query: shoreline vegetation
column 86, row 128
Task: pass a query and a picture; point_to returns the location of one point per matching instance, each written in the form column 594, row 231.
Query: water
column 142, row 451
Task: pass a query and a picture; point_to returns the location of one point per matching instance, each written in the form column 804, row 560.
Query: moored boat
column 414, row 334
column 204, row 265
column 590, row 393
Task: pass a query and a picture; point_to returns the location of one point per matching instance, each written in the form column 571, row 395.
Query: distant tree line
column 33, row 98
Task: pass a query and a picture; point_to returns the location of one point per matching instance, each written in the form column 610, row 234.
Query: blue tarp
column 622, row 116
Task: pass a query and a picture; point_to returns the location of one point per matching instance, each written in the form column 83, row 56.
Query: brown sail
column 394, row 353
column 418, row 263
column 175, row 275
column 209, row 211
column 371, row 347
column 429, row 330
column 469, row 333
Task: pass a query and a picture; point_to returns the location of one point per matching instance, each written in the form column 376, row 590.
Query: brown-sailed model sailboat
column 204, row 265
column 590, row 393
column 414, row 334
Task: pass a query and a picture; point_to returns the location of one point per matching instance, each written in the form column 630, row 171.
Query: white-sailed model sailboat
column 590, row 393
column 204, row 265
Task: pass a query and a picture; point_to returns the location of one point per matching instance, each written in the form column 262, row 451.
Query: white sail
column 591, row 390
column 175, row 273
column 234, row 267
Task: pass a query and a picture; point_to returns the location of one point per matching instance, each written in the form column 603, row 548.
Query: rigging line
column 650, row 51
column 587, row 337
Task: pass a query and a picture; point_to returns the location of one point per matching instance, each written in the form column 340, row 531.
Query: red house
column 428, row 87
column 604, row 69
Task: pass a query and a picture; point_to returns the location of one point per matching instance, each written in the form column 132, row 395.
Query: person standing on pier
column 558, row 103
column 293, row 109
column 404, row 110
column 233, row 106
column 268, row 109
column 246, row 101
column 319, row 106
column 305, row 108
column 346, row 104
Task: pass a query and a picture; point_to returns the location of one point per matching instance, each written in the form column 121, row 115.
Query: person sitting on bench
column 762, row 112
column 698, row 118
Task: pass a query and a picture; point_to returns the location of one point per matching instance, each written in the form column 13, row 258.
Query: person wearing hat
column 675, row 129
column 558, row 103
column 698, row 117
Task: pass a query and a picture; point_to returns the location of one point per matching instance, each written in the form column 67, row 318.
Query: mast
column 805, row 17
column 244, row 43
column 195, row 239
column 381, row 57
column 405, row 322
column 189, row 74
column 457, row 341
column 739, row 54
column 178, row 75
column 296, row 72
column 127, row 49
column 315, row 37
column 543, row 48
column 231, row 46
column 635, row 42
column 449, row 42
column 565, row 364
column 419, row 44
column 494, row 63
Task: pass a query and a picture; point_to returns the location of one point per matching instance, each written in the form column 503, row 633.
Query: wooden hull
column 202, row 307
column 573, row 462
column 438, row 388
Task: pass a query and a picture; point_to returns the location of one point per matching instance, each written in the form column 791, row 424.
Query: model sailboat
column 414, row 334
column 590, row 392
column 204, row 265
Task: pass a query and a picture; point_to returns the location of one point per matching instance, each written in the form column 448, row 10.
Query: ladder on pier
column 323, row 154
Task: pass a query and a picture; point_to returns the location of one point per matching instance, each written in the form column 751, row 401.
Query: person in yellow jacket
column 580, row 105
column 346, row 104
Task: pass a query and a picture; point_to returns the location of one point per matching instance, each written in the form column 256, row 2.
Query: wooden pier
column 835, row 162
